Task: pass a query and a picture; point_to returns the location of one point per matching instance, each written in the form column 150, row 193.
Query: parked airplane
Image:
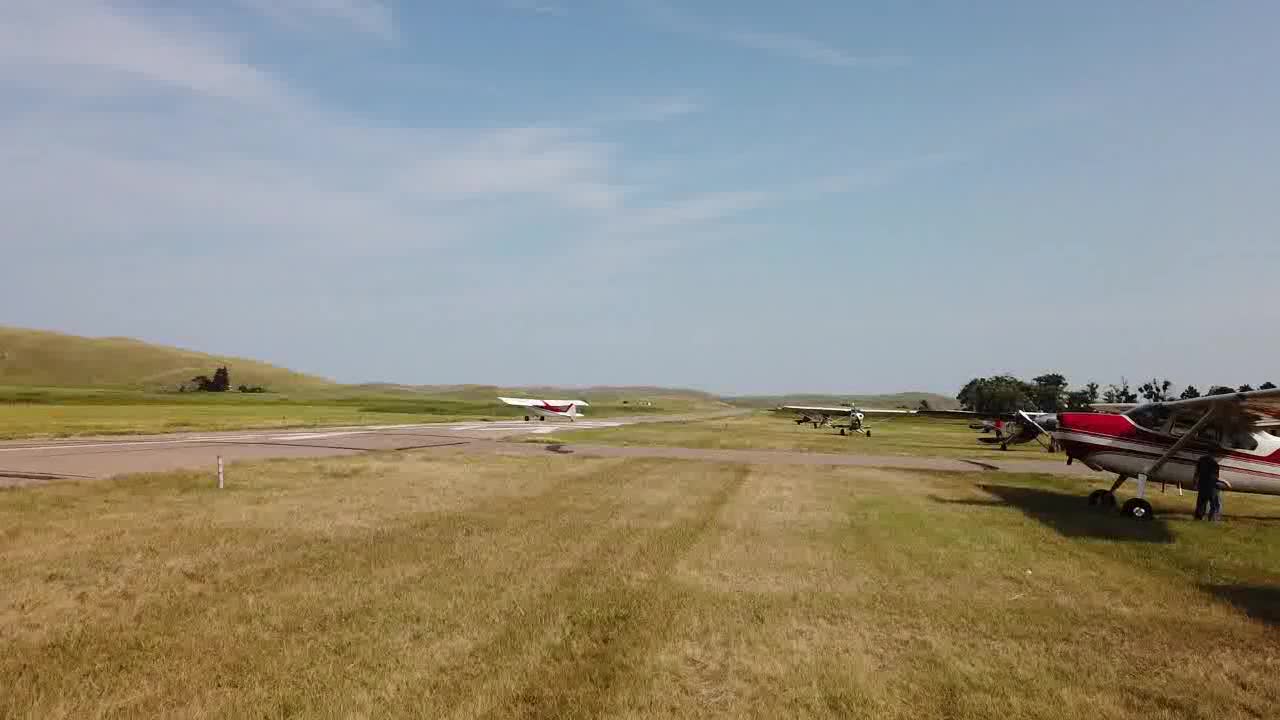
column 855, row 417
column 1161, row 442
column 1013, row 428
column 547, row 408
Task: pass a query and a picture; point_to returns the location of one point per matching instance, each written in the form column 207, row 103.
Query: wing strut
column 1168, row 455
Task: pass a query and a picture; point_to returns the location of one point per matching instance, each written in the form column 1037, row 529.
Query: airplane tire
column 1138, row 509
column 543, row 418
column 1102, row 499
column 842, row 432
column 526, row 418
column 1004, row 446
column 868, row 433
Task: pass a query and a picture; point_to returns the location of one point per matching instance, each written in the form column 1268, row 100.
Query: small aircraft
column 854, row 416
column 1013, row 428
column 547, row 408
column 1162, row 441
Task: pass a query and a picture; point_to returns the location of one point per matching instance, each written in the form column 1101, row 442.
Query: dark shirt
column 1207, row 473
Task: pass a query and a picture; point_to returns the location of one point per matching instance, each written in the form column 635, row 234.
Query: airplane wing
column 965, row 415
column 1114, row 408
column 1258, row 407
column 873, row 411
column 533, row 402
column 802, row 409
column 520, row 402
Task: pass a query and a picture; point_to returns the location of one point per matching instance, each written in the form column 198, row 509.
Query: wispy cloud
column 94, row 48
column 865, row 178
column 367, row 16
column 200, row 136
column 780, row 44
column 798, row 47
column 644, row 110
column 537, row 7
column 694, row 210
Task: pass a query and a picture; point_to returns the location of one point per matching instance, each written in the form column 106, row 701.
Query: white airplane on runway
column 547, row 408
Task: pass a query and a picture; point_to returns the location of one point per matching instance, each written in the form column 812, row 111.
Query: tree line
column 220, row 382
column 1051, row 393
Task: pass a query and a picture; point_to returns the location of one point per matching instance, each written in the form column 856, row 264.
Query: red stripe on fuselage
column 1121, row 427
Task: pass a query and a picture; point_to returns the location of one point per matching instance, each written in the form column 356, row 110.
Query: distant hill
column 668, row 398
column 41, row 358
column 885, row 402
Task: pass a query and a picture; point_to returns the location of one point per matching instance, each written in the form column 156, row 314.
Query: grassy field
column 453, row 587
column 767, row 431
column 42, row 358
column 57, row 385
column 62, row 412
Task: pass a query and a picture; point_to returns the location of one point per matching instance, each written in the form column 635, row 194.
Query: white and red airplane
column 547, row 408
column 1161, row 442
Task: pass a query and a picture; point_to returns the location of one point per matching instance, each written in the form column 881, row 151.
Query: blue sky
column 740, row 196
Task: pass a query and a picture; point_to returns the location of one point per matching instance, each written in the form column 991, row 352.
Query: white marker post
column 220, row 481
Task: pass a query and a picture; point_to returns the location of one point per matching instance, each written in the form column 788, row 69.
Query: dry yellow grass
column 770, row 431
column 456, row 586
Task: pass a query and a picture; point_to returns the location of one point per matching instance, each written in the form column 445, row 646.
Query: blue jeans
column 1210, row 500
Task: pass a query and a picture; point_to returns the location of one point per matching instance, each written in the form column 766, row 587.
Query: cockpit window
column 1231, row 435
column 1151, row 418
column 1241, row 441
column 1183, row 423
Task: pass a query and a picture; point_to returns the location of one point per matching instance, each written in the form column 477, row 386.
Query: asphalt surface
column 28, row 461
column 35, row 461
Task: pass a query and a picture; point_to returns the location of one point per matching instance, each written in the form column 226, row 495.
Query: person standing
column 1209, row 496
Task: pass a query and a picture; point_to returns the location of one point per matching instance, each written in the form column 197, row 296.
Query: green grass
column 40, row 358
column 64, row 412
column 56, row 385
column 427, row 585
column 769, row 431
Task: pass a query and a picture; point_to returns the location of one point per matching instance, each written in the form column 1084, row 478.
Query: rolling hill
column 49, row 359
column 888, row 401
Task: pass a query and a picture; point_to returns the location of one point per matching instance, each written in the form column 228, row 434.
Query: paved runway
column 29, row 461
column 34, row 461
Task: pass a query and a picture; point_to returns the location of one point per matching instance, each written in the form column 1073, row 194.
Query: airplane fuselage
column 1118, row 444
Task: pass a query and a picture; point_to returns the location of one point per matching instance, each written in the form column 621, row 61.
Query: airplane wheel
column 543, row 418
column 1004, row 446
column 1138, row 509
column 526, row 418
column 842, row 432
column 1102, row 499
column 868, row 433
